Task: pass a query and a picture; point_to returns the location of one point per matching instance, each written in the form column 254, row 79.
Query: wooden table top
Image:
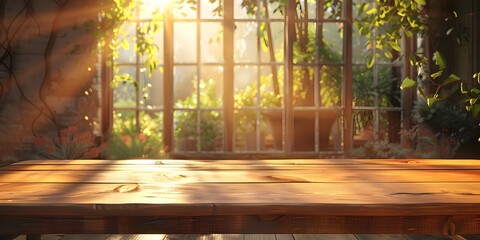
column 327, row 187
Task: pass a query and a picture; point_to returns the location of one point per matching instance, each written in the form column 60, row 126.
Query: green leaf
column 432, row 100
column 407, row 83
column 125, row 44
column 421, row 2
column 439, row 61
column 437, row 74
column 371, row 61
column 409, row 33
column 388, row 54
column 450, row 79
column 462, row 88
column 476, row 110
column 472, row 101
column 475, row 90
column 395, row 46
column 372, row 11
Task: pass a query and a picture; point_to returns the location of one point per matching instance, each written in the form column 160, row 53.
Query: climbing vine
column 386, row 22
column 21, row 19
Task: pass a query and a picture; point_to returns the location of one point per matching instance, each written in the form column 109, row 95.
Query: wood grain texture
column 324, row 237
column 245, row 176
column 331, row 196
column 242, row 224
column 85, row 236
column 428, row 237
column 394, row 162
column 380, row 237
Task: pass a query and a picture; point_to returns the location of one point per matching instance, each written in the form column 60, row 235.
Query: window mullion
column 168, row 78
column 348, row 82
column 228, row 86
column 289, row 38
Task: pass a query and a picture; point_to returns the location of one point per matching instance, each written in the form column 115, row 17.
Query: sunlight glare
column 151, row 5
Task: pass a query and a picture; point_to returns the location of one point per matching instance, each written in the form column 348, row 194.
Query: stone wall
column 47, row 74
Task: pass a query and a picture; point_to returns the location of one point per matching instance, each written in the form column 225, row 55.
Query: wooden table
column 241, row 196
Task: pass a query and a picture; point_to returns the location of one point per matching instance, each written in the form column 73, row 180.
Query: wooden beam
column 246, row 224
column 168, row 83
column 347, row 73
column 228, row 85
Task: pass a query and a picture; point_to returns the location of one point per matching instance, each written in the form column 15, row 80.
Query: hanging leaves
column 407, row 83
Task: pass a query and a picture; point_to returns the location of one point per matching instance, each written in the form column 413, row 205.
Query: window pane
column 303, row 85
column 246, row 86
column 245, row 130
column 185, row 131
column 275, row 10
column 125, row 94
column 306, row 9
column 185, row 42
column 128, row 55
column 363, row 86
column 331, row 79
column 305, row 45
column 211, row 87
column 211, row 10
column 150, row 138
column 245, row 42
column 211, row 131
column 379, row 81
column 271, row 88
column 212, row 42
column 152, row 90
column 184, row 9
column 388, row 90
column 331, row 50
column 185, row 87
column 271, row 125
column 359, row 49
column 158, row 40
column 272, row 49
column 330, row 9
column 124, row 132
column 148, row 8
column 245, row 9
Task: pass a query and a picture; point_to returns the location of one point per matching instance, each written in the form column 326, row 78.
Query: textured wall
column 46, row 73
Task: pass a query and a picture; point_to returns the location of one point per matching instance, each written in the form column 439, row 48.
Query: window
column 259, row 78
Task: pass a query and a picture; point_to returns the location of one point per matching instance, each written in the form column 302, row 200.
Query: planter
column 304, row 129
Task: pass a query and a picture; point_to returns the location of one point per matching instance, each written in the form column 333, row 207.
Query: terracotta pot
column 304, row 129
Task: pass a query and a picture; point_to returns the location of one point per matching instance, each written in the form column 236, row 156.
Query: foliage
column 366, row 91
column 248, row 97
column 447, row 120
column 73, row 142
column 110, row 28
column 210, row 129
column 385, row 22
column 418, row 142
column 391, row 20
column 471, row 96
column 435, row 79
column 131, row 141
column 441, row 130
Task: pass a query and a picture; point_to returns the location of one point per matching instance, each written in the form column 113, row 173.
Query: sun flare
column 154, row 4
